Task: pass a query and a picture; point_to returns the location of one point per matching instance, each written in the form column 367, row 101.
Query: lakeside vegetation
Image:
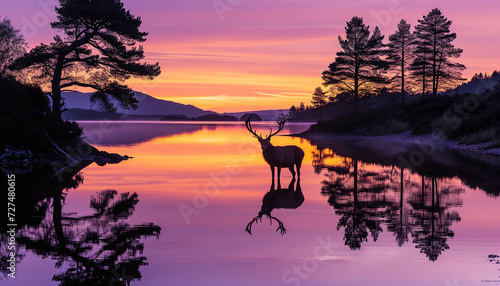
column 97, row 47
column 26, row 118
column 410, row 84
column 465, row 117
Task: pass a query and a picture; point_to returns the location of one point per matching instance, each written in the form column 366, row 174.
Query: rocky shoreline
column 59, row 155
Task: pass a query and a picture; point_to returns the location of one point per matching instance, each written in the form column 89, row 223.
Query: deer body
column 279, row 156
column 283, row 157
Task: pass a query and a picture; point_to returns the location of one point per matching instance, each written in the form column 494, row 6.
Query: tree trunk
column 57, row 219
column 434, row 67
column 401, row 202
column 356, row 85
column 355, row 185
column 403, row 70
column 56, row 87
column 423, row 78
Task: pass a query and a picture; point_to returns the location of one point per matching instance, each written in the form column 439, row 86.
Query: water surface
column 366, row 218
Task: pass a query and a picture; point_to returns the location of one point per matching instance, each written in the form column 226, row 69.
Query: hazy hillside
column 148, row 105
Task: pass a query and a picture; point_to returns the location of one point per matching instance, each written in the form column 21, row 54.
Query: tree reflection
column 398, row 214
column 433, row 218
column 99, row 248
column 358, row 198
column 366, row 196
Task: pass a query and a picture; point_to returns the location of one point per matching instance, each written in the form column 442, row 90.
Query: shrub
column 26, row 118
column 480, row 136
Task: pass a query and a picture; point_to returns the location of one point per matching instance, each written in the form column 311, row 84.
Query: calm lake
column 374, row 213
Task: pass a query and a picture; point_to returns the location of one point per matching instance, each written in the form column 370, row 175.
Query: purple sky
column 230, row 55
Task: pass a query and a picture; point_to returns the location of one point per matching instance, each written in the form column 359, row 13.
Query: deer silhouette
column 278, row 156
column 278, row 199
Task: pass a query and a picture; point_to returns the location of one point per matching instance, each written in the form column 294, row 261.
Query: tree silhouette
column 100, row 248
column 97, row 247
column 360, row 203
column 434, row 53
column 319, row 99
column 359, row 65
column 367, row 199
column 399, row 54
column 12, row 45
column 433, row 218
column 398, row 215
column 99, row 52
column 302, row 107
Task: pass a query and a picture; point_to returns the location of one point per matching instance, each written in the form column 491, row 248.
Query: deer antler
column 249, row 225
column 256, row 219
column 249, row 127
column 281, row 120
column 281, row 227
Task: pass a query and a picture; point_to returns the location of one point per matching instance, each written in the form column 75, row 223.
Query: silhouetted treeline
column 418, row 61
column 421, row 61
column 416, row 209
column 478, row 84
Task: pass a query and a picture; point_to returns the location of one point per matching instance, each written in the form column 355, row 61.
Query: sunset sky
column 240, row 55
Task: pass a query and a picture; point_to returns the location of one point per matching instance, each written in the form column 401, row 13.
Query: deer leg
column 298, row 169
column 291, row 168
column 272, row 173
column 279, row 176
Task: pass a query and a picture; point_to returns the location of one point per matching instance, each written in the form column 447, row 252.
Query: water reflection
column 111, row 133
column 367, row 196
column 289, row 198
column 99, row 248
column 130, row 133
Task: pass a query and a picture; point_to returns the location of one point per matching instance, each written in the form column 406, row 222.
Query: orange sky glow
column 244, row 55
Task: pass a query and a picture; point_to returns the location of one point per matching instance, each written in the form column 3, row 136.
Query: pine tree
column 400, row 53
column 359, row 66
column 12, row 45
column 319, row 99
column 433, row 64
column 420, row 67
column 302, row 107
column 99, row 52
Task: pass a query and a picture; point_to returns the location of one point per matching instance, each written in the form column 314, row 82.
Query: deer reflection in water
column 278, row 156
column 279, row 198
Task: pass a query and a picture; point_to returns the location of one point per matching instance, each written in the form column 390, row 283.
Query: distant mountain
column 149, row 108
column 478, row 84
column 266, row 115
column 147, row 105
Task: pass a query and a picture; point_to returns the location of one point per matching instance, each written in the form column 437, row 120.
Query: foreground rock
column 60, row 155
